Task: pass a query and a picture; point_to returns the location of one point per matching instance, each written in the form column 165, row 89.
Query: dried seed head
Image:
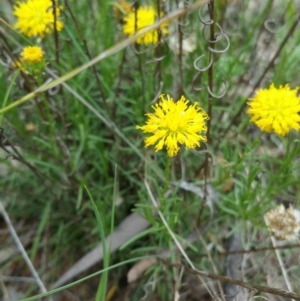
column 284, row 223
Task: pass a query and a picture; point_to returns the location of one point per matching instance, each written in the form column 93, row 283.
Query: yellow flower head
column 275, row 109
column 174, row 123
column 32, row 54
column 31, row 60
column 144, row 17
column 35, row 17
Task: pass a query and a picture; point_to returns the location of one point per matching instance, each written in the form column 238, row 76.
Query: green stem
column 12, row 82
column 49, row 121
column 168, row 170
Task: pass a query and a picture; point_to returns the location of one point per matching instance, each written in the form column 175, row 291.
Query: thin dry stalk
column 22, row 250
column 249, row 286
column 180, row 247
column 213, row 266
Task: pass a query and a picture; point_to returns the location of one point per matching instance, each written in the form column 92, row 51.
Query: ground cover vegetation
column 149, row 149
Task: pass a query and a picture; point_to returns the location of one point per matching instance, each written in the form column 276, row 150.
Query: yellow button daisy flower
column 144, row 17
column 275, row 109
column 35, row 17
column 31, row 60
column 32, row 54
column 175, row 123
